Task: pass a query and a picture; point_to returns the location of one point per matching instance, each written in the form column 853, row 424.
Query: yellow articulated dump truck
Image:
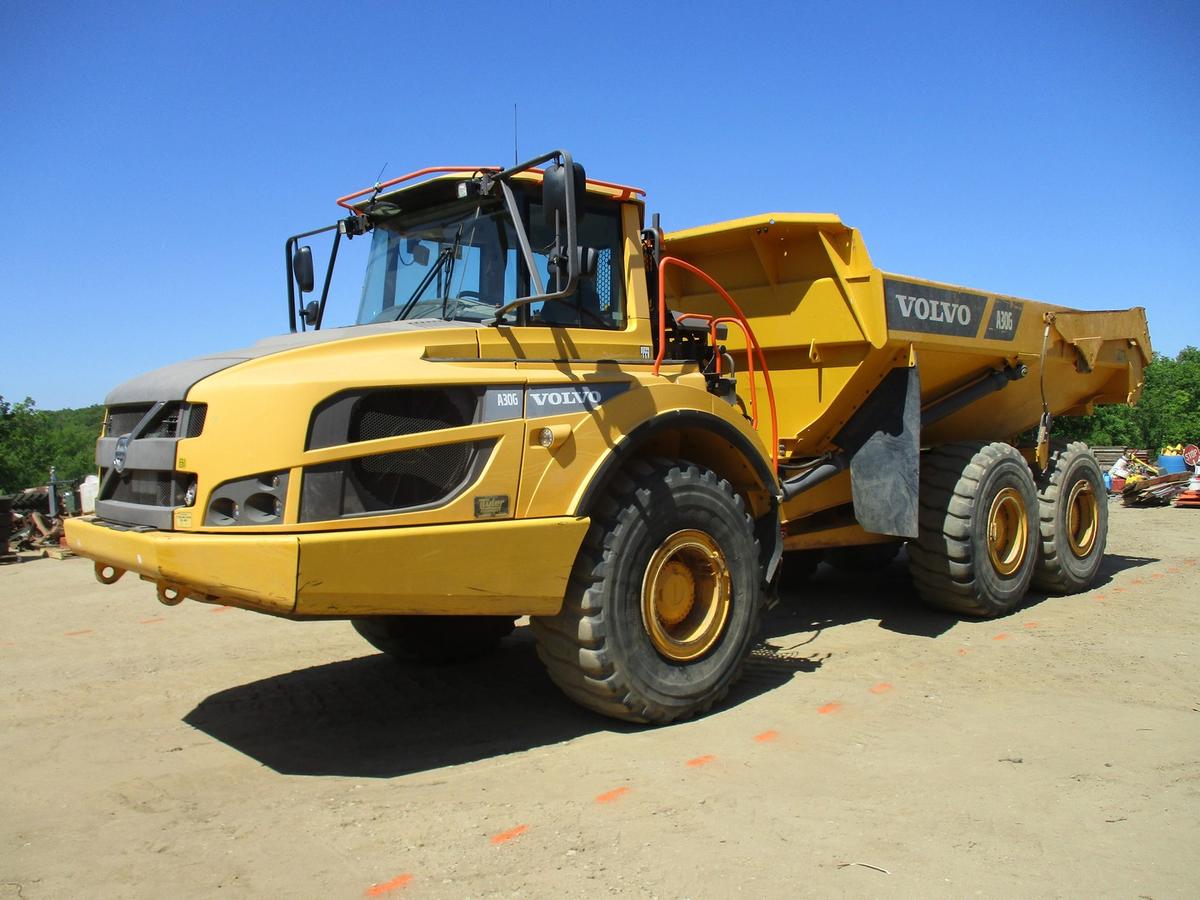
column 547, row 408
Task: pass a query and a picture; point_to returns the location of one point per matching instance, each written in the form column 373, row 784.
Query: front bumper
column 511, row 567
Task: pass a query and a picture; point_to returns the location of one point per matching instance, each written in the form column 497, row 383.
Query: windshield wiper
column 420, row 288
column 450, row 267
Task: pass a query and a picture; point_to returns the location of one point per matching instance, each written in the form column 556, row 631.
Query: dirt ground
column 883, row 750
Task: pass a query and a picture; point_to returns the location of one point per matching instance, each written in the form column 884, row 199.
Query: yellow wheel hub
column 1083, row 518
column 1007, row 531
column 686, row 595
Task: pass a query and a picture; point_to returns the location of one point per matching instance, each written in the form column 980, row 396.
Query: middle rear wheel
column 977, row 543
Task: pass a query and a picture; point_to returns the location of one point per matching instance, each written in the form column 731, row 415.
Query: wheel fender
column 707, row 440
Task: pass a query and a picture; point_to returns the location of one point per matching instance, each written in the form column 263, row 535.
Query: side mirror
column 302, row 267
column 554, row 193
column 312, row 310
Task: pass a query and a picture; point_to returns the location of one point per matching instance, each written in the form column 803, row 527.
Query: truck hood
column 174, row 381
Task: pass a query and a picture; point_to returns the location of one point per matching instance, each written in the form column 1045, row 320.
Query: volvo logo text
column 933, row 310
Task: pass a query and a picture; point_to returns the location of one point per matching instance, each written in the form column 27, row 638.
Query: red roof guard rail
column 752, row 345
column 626, row 191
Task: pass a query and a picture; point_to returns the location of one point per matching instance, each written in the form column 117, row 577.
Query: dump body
column 832, row 326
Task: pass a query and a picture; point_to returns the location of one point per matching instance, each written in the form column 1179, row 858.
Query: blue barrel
column 1171, row 464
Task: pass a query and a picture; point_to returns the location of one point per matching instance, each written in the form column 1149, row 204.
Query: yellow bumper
column 513, row 567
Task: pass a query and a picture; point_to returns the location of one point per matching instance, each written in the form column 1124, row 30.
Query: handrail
column 740, row 318
column 626, row 190
column 713, row 322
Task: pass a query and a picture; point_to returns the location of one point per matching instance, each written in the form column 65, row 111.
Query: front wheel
column 664, row 599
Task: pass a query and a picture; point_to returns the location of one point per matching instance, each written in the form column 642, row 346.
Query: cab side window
column 598, row 302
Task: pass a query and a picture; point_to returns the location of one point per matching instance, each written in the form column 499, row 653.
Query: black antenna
column 515, row 157
column 378, row 184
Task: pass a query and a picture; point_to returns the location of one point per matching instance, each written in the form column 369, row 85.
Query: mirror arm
column 288, row 245
column 522, row 238
column 291, row 281
column 337, row 239
column 572, row 282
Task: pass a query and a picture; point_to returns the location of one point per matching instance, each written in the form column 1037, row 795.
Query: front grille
column 166, row 425
column 411, row 477
column 122, row 419
column 352, row 417
column 388, row 482
column 198, row 412
column 149, row 489
column 145, row 488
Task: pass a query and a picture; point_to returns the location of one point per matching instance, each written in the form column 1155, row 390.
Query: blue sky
column 154, row 156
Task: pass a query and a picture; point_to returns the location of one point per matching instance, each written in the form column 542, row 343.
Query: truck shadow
column 371, row 717
column 374, row 718
column 832, row 598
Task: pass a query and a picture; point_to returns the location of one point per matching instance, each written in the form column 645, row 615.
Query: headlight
column 257, row 500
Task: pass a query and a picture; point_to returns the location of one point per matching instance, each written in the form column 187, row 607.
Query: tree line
column 32, row 440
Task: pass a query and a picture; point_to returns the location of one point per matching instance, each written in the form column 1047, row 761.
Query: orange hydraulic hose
column 739, row 317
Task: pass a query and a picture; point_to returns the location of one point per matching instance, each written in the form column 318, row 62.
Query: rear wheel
column 1072, row 521
column 435, row 639
column 977, row 541
column 664, row 599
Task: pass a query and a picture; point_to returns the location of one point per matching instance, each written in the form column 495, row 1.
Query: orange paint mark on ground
column 1002, row 636
column 765, row 737
column 1174, row 570
column 1158, row 575
column 1189, row 562
column 882, row 688
column 1118, row 590
column 223, row 609
column 77, row 633
column 384, row 887
column 610, row 796
column 701, row 760
column 505, row 836
column 1031, row 625
column 152, row 621
column 963, row 651
column 1137, row 581
column 829, row 708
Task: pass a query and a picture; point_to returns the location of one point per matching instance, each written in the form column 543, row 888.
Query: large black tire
column 604, row 648
column 434, row 639
column 1073, row 521
column 971, row 492
column 863, row 558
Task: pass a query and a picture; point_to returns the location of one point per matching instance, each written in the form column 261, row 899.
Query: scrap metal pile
column 30, row 525
column 1149, row 486
column 1189, row 498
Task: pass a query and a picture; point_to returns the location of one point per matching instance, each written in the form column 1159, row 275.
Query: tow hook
column 106, row 574
column 169, row 594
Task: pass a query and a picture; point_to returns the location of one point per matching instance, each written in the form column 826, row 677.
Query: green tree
column 1167, row 414
column 33, row 440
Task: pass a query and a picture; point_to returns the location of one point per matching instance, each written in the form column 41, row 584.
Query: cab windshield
column 462, row 261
